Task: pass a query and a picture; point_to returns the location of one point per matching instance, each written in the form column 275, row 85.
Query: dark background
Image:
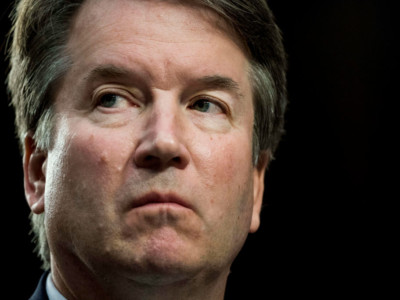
column 326, row 224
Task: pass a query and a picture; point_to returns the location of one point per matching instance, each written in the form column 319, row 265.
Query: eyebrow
column 211, row 82
column 219, row 82
column 107, row 72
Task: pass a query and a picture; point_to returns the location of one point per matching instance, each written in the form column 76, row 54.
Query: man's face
column 151, row 172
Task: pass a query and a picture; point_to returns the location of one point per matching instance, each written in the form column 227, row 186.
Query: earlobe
column 258, row 183
column 34, row 174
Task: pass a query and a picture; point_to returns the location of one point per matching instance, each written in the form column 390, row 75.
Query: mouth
column 155, row 198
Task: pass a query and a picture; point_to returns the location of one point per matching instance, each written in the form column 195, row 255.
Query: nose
column 162, row 143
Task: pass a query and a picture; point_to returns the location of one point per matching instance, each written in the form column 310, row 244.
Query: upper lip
column 156, row 197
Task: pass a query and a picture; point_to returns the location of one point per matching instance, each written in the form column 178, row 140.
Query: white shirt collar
column 52, row 291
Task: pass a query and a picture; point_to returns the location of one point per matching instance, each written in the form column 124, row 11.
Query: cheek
column 229, row 194
column 227, row 161
column 226, row 173
column 98, row 155
column 84, row 171
column 84, row 162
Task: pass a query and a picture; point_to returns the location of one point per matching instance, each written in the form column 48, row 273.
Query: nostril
column 177, row 159
column 149, row 161
column 149, row 158
column 154, row 162
column 161, row 153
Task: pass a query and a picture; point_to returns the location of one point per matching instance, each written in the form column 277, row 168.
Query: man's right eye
column 110, row 100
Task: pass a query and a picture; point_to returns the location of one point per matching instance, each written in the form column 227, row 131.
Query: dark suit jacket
column 40, row 292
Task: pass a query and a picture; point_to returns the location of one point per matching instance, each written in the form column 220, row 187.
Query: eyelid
column 216, row 101
column 114, row 89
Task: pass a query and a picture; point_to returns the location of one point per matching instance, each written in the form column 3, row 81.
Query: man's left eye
column 206, row 106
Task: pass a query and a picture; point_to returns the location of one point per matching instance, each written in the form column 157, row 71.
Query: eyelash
column 223, row 107
column 115, row 98
column 98, row 96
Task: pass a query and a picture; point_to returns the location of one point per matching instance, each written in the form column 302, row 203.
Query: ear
column 35, row 161
column 258, row 184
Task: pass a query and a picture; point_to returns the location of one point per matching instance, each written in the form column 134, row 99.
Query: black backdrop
column 325, row 222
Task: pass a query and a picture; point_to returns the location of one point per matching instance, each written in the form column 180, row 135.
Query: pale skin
column 149, row 189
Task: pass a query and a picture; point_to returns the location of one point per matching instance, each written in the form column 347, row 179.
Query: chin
column 162, row 257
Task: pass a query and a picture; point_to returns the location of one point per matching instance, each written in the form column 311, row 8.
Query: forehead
column 97, row 15
column 163, row 42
